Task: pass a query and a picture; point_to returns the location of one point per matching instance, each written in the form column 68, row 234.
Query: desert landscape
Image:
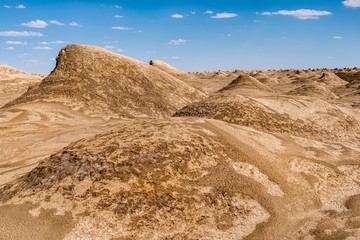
column 109, row 147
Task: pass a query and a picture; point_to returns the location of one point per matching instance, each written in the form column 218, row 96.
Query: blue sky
column 192, row 35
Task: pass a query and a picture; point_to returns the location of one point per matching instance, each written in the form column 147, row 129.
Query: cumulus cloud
column 9, row 48
column 118, row 7
column 177, row 16
column 177, row 42
column 42, row 48
column 20, row 34
column 118, row 16
column 7, row 6
column 16, row 43
column 121, row 28
column 302, row 14
column 109, row 47
column 208, row 12
column 352, row 3
column 192, row 12
column 224, row 15
column 75, row 24
column 56, row 22
column 120, row 50
column 35, row 24
column 337, row 37
column 52, row 42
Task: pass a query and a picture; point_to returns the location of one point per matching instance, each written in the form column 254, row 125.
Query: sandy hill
column 4, row 69
column 14, row 82
column 240, row 164
column 331, row 80
column 349, row 75
column 308, row 110
column 188, row 179
column 245, row 81
column 169, row 69
column 101, row 82
column 300, row 116
column 9, row 73
column 313, row 90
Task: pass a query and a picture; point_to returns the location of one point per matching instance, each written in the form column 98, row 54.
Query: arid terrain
column 108, row 147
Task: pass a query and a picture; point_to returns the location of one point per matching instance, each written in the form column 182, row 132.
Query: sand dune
column 102, row 82
column 245, row 82
column 92, row 152
column 14, row 82
column 313, row 90
column 169, row 69
column 192, row 178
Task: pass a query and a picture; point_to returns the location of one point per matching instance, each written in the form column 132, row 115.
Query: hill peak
column 99, row 81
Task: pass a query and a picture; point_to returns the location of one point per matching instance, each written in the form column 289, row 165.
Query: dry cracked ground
column 107, row 147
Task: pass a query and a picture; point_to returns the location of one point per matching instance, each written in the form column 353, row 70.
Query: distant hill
column 4, row 69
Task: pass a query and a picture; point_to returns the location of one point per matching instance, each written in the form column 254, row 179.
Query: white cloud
column 302, row 14
column 20, row 34
column 177, row 42
column 16, row 43
column 52, row 42
column 121, row 28
column 118, row 7
column 224, row 15
column 118, row 16
column 177, row 16
column 35, row 24
column 75, row 24
column 208, row 12
column 109, row 47
column 42, row 48
column 9, row 48
column 352, row 3
column 175, row 57
column 193, row 12
column 120, row 50
column 18, row 6
column 337, row 37
column 56, row 22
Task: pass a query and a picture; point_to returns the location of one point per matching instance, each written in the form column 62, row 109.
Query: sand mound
column 245, row 81
column 313, row 90
column 14, row 82
column 4, row 69
column 331, row 79
column 168, row 180
column 349, row 75
column 191, row 179
column 9, row 73
column 303, row 117
column 167, row 68
column 98, row 81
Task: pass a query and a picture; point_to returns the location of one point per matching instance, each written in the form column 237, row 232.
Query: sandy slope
column 196, row 178
column 30, row 132
column 268, row 155
column 101, row 82
column 14, row 82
